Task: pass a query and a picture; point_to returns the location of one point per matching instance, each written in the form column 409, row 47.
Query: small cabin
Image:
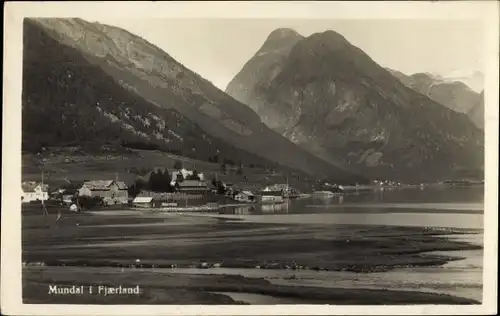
column 245, row 196
column 143, row 202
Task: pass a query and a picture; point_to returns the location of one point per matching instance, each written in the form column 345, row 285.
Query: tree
column 156, row 181
column 178, row 165
column 166, row 179
column 180, row 177
column 88, row 202
column 193, row 176
column 133, row 190
column 221, row 189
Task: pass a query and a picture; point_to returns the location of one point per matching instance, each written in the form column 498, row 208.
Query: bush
column 193, row 176
column 89, row 202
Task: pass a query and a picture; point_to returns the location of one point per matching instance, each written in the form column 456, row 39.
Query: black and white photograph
column 172, row 155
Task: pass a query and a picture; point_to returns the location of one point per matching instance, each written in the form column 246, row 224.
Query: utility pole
column 44, row 209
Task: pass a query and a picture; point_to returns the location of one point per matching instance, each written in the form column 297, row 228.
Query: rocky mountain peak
column 281, row 33
column 280, row 40
column 332, row 99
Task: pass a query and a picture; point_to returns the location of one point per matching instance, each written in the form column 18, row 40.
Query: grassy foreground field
column 104, row 245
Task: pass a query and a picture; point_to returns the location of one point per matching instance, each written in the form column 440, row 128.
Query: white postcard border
column 11, row 299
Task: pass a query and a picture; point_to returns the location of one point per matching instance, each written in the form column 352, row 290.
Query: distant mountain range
column 452, row 93
column 476, row 113
column 474, row 79
column 93, row 84
column 332, row 99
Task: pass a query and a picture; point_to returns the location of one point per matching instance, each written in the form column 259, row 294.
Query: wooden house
column 192, row 187
column 245, row 196
column 112, row 192
column 143, row 202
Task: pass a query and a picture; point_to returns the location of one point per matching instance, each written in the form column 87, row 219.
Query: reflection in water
column 328, row 199
column 281, row 208
column 430, row 207
column 243, row 210
column 378, row 201
column 275, row 208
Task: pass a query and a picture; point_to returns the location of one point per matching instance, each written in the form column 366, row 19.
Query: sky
column 217, row 49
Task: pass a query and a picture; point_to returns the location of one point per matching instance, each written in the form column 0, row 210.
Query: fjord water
column 459, row 207
column 450, row 207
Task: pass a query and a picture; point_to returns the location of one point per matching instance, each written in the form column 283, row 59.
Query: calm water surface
column 436, row 207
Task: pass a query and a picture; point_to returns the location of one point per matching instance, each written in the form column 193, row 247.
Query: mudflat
column 170, row 288
column 118, row 247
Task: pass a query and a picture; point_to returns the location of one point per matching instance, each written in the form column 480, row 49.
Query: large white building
column 33, row 191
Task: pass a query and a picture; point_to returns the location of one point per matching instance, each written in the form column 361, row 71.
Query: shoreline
column 165, row 287
column 123, row 247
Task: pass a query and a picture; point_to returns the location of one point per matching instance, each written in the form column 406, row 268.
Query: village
column 159, row 190
column 180, row 189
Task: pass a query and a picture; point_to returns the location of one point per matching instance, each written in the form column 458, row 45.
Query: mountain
column 476, row 113
column 472, row 78
column 259, row 72
column 89, row 83
column 456, row 95
column 332, row 99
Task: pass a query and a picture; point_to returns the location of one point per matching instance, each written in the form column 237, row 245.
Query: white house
column 33, row 191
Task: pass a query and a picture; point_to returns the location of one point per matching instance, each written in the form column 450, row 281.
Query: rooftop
column 143, row 199
column 246, row 193
column 104, row 184
column 29, row 186
column 193, row 183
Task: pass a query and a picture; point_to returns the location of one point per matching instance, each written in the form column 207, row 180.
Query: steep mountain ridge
column 152, row 80
column 69, row 101
column 260, row 70
column 476, row 113
column 333, row 100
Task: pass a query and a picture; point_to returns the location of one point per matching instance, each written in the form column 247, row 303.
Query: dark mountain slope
column 137, row 86
column 69, row 101
column 476, row 113
column 335, row 101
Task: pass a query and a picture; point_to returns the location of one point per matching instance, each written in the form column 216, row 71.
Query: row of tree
column 159, row 181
